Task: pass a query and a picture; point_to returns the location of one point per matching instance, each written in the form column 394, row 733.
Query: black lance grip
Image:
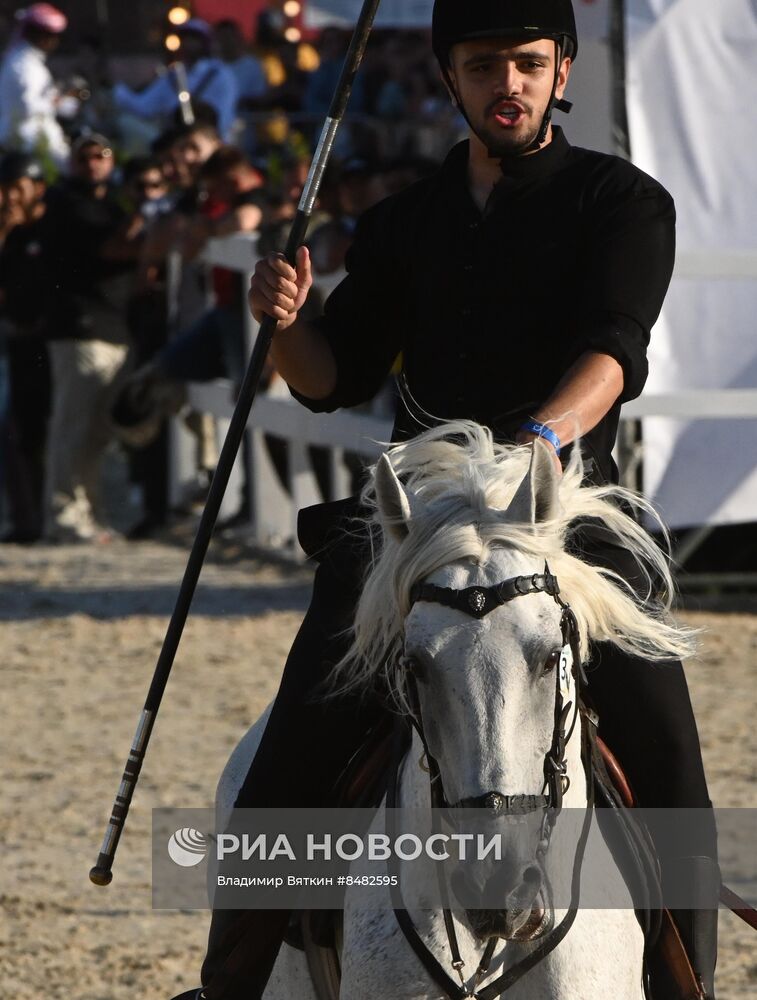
column 102, row 874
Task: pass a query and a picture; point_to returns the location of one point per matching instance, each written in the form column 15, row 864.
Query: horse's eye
column 553, row 661
column 411, row 665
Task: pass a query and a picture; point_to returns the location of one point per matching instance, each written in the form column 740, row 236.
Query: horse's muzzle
column 510, row 906
column 512, row 924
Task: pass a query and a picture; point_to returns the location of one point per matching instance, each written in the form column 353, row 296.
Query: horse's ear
column 394, row 502
column 535, row 499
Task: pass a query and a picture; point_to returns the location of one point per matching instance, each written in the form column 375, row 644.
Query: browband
column 478, row 602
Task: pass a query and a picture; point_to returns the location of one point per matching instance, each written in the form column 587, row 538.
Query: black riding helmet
column 463, row 20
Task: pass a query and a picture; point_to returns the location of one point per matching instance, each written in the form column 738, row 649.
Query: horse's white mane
column 460, row 483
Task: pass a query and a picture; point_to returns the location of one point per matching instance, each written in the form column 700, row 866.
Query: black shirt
column 573, row 253
column 24, row 276
column 91, row 292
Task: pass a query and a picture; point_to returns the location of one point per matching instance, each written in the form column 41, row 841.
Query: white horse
column 458, row 511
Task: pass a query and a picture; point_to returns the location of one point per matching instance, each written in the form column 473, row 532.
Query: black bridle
column 478, row 602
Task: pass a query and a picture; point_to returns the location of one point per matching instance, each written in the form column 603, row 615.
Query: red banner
column 244, row 11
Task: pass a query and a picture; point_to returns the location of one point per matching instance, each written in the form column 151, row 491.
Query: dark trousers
column 646, row 718
column 23, row 435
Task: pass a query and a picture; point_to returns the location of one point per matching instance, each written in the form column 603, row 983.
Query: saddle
column 363, row 785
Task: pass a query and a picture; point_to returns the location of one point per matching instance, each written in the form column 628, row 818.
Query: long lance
column 102, row 873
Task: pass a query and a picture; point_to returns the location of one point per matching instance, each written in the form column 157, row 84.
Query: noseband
column 478, row 602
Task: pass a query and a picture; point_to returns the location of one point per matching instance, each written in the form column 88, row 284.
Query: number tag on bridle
column 566, row 671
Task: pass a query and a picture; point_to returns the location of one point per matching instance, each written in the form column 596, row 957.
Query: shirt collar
column 540, row 164
column 545, row 161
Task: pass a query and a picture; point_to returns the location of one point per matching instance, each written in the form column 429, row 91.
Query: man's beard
column 501, row 146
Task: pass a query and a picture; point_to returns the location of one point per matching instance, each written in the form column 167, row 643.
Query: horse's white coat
column 487, row 707
column 602, row 954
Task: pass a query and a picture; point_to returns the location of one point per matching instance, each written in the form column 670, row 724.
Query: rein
column 477, row 602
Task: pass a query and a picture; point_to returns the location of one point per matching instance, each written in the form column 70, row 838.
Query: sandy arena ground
column 81, row 630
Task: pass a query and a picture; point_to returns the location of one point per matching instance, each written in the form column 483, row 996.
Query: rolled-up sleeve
column 629, row 266
column 364, row 317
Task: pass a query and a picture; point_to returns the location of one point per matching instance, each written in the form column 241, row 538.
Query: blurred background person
column 193, row 145
column 171, row 291
column 28, row 95
column 246, row 69
column 92, row 263
column 184, row 149
column 358, row 184
column 214, row 346
column 146, row 188
column 10, row 217
column 23, row 285
column 147, row 194
column 22, row 179
column 250, row 76
column 209, row 81
column 322, row 82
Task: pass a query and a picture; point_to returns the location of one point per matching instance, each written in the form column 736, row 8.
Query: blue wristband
column 534, row 427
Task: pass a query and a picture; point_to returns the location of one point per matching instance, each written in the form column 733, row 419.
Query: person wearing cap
column 93, row 270
column 519, row 283
column 28, row 95
column 18, row 190
column 208, row 80
column 22, row 180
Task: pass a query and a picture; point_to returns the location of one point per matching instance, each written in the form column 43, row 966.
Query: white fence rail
column 274, row 507
column 696, row 404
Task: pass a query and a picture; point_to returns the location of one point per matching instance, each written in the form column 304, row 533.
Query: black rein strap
column 429, row 961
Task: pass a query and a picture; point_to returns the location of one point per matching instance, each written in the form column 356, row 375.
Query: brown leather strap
column 737, row 905
column 616, row 773
column 670, row 947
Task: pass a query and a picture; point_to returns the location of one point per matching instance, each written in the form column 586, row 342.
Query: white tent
column 692, row 66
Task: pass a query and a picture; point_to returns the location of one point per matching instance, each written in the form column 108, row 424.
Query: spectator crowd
column 99, row 331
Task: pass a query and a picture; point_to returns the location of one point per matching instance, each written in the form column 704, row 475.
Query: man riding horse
column 519, row 284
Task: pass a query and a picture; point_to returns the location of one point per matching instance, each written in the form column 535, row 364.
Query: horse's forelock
column 466, row 482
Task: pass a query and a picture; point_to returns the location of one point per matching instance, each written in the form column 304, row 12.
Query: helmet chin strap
column 554, row 103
